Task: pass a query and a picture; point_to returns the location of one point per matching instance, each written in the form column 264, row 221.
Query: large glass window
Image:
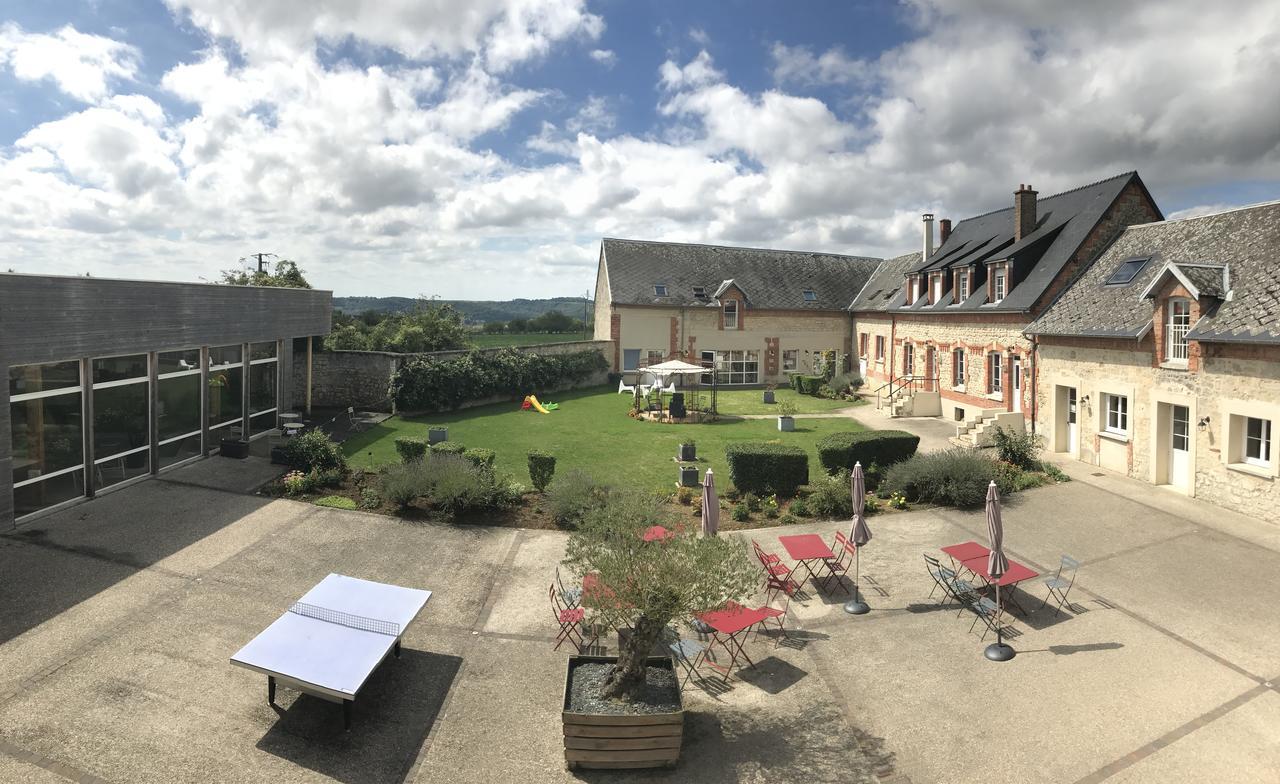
column 262, row 387
column 178, row 405
column 226, row 388
column 121, row 436
column 738, row 367
column 46, row 425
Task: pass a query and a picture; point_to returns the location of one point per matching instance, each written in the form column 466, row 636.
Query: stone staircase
column 976, row 431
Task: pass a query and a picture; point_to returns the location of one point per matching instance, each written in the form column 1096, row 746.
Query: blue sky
column 481, row 150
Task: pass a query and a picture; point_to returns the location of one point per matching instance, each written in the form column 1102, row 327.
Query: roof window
column 659, row 290
column 1127, row 271
column 700, row 292
column 810, row 295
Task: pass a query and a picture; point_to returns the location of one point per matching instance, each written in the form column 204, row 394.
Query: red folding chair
column 570, row 620
column 838, row 566
column 776, row 615
column 774, row 569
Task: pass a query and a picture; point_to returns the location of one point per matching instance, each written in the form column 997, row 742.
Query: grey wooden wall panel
column 43, row 319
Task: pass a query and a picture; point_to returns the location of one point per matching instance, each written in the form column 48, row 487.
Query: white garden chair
column 623, row 387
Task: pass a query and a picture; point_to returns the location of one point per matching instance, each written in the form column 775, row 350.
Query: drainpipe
column 1035, row 383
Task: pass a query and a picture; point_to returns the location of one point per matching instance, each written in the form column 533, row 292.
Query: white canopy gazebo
column 668, row 370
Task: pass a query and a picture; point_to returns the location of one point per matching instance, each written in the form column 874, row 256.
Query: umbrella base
column 999, row 652
column 856, row 607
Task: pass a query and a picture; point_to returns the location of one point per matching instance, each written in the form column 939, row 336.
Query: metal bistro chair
column 570, row 620
column 688, row 654
column 572, row 597
column 1059, row 586
column 943, row 578
column 986, row 611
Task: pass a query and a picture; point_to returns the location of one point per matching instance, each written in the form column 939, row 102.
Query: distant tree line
column 553, row 321
column 430, row 326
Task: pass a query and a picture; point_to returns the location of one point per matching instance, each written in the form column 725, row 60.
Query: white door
column 1017, row 384
column 1073, row 428
column 862, row 367
column 1180, row 448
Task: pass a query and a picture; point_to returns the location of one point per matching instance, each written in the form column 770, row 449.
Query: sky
column 481, row 149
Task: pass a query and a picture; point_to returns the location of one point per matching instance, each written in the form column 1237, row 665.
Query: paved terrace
column 121, row 614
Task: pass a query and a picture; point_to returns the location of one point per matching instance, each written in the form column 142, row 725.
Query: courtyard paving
column 121, row 615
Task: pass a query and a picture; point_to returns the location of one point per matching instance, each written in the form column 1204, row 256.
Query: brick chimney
column 1024, row 212
column 928, row 234
column 944, row 231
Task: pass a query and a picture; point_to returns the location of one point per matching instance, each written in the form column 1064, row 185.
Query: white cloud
column 697, row 72
column 606, row 57
column 699, row 36
column 504, row 32
column 799, row 65
column 81, row 65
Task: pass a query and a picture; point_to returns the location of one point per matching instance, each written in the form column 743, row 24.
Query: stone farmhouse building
column 760, row 314
column 1162, row 361
column 940, row 333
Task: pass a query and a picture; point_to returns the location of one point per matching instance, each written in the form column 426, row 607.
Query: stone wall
column 1233, row 381
column 362, row 379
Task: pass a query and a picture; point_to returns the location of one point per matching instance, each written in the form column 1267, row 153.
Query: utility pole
column 586, row 303
column 261, row 260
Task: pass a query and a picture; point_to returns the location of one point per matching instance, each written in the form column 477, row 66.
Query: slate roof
column 884, row 289
column 1063, row 222
column 770, row 279
column 1246, row 241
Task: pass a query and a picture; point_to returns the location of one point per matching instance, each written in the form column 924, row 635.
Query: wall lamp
column 1084, row 401
column 1203, row 423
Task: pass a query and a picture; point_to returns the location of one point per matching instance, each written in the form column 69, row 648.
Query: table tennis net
column 346, row 619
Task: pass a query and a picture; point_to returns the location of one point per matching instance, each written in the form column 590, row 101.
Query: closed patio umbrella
column 997, row 565
column 710, row 506
column 860, row 535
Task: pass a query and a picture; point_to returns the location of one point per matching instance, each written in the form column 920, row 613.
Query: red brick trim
column 615, row 335
column 673, row 347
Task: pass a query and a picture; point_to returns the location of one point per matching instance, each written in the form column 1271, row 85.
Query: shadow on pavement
column 54, row 563
column 391, row 719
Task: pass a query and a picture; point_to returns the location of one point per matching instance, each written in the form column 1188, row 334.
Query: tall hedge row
column 881, row 448
column 429, row 384
column 762, row 467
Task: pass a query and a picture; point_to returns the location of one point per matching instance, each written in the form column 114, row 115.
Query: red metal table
column 730, row 624
column 959, row 553
column 804, row 548
column 603, row 600
column 1015, row 574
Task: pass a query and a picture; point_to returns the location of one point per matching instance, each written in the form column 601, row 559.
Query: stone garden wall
column 362, row 379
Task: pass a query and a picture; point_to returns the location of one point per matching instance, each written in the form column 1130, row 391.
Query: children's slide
column 532, row 401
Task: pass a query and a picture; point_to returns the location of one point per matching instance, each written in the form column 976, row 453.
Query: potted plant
column 786, row 416
column 437, row 434
column 688, row 451
column 688, row 476
column 664, row 579
column 768, row 392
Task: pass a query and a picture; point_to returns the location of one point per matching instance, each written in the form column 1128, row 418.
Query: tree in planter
column 661, row 581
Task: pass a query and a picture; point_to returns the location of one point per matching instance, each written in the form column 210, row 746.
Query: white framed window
column 1116, row 408
column 1257, row 442
column 46, row 415
column 654, row 356
column 659, row 290
column 789, row 358
column 937, row 288
column 908, row 359
column 862, row 345
column 879, row 348
column 962, row 286
column 995, row 373
column 957, row 367
column 1000, row 284
column 700, row 292
column 731, row 314
column 1176, row 329
column 737, row 367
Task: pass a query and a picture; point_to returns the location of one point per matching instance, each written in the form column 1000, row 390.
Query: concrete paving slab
column 29, row 773
column 1242, row 746
column 520, row 603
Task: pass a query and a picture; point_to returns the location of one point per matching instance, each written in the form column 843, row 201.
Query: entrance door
column 1017, row 383
column 1073, row 429
column 908, row 360
column 930, row 366
column 862, row 368
column 1180, row 448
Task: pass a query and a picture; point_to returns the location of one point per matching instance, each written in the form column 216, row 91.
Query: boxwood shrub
column 880, row 448
column 952, row 477
column 410, row 449
column 808, row 385
column 764, row 467
column 480, row 457
column 447, row 448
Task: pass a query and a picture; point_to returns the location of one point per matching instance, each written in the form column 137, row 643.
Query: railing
column 913, row 382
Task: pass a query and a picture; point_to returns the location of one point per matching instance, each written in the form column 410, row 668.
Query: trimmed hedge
column 763, row 467
column 542, row 466
column 881, row 448
column 447, row 448
column 430, row 384
column 410, row 449
column 807, row 385
column 480, row 457
column 951, row 477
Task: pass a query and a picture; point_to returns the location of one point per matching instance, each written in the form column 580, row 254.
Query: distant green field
column 481, row 340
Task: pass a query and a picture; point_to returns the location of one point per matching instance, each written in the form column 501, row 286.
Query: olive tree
column 653, row 583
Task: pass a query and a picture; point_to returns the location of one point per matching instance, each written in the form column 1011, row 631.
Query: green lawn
column 749, row 401
column 591, row 431
column 481, row 340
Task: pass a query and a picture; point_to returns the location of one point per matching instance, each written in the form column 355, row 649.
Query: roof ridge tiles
column 1096, row 183
column 809, row 253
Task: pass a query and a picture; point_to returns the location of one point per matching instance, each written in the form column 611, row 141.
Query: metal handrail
column 902, row 382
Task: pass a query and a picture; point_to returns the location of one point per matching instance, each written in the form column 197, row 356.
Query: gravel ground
column 661, row 693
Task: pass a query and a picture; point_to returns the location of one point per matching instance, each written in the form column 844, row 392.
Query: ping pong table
column 332, row 639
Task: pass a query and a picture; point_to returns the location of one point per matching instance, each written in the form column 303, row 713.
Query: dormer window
column 999, row 284
column 1176, row 329
column 659, row 290
column 810, row 295
column 936, row 296
column 962, row 286
column 700, row 292
column 731, row 314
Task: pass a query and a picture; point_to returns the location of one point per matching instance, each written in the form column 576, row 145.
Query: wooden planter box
column 643, row 740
